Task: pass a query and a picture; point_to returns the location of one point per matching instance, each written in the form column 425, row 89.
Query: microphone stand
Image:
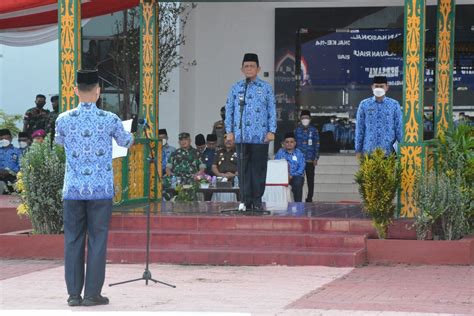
column 147, row 274
column 242, row 208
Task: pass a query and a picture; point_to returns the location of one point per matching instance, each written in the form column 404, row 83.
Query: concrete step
column 249, row 239
column 337, row 160
column 242, row 256
column 336, row 197
column 336, row 169
column 335, row 178
column 335, row 188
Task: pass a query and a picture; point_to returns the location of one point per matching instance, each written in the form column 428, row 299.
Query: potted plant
column 203, row 180
column 378, row 178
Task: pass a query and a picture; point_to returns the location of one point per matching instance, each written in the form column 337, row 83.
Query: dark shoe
column 309, row 200
column 248, row 206
column 95, row 300
column 74, row 300
column 258, row 207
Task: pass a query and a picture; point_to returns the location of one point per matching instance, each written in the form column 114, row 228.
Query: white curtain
column 30, row 36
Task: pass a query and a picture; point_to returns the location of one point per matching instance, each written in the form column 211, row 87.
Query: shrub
column 40, row 183
column 378, row 178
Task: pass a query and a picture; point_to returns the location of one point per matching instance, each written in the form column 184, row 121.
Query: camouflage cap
column 183, row 135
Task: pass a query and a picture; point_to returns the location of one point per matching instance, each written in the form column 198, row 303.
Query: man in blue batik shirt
column 9, row 161
column 307, row 140
column 253, row 133
column 379, row 121
column 86, row 133
column 296, row 163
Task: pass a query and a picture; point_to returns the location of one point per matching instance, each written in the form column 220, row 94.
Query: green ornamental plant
column 40, row 185
column 445, row 195
column 378, row 178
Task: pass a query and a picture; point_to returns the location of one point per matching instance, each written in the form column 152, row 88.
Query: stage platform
column 331, row 234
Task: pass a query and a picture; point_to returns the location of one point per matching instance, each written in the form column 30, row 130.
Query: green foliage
column 186, row 193
column 440, row 199
column 378, row 178
column 9, row 121
column 445, row 195
column 40, row 184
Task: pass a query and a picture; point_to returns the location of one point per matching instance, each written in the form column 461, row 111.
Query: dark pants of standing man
column 309, row 170
column 296, row 183
column 81, row 217
column 254, row 172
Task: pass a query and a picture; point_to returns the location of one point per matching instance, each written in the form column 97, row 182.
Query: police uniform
column 226, row 160
column 219, row 129
column 35, row 119
column 185, row 162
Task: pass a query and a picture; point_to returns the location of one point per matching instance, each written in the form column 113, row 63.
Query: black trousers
column 81, row 217
column 296, row 183
column 8, row 178
column 253, row 174
column 309, row 170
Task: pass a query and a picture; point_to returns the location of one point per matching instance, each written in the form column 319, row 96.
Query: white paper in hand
column 118, row 151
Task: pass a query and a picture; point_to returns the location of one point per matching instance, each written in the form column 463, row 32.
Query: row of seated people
column 188, row 165
column 10, row 156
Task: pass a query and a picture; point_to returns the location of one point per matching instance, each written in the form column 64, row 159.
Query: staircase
column 225, row 240
column 334, row 179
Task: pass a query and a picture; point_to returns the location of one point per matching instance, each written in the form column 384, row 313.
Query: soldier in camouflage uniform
column 185, row 160
column 36, row 118
column 219, row 129
column 53, row 115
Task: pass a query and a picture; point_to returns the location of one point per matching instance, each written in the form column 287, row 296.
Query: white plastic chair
column 277, row 191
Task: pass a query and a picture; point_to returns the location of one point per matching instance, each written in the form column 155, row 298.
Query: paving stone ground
column 269, row 290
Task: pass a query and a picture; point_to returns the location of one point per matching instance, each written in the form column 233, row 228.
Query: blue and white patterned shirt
column 259, row 114
column 307, row 140
column 295, row 160
column 86, row 133
column 379, row 125
column 10, row 158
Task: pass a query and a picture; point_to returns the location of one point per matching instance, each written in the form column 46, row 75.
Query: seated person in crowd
column 38, row 136
column 296, row 164
column 207, row 156
column 23, row 141
column 225, row 161
column 185, row 160
column 166, row 148
column 200, row 142
column 9, row 162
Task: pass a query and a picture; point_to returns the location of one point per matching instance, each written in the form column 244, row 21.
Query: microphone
column 143, row 123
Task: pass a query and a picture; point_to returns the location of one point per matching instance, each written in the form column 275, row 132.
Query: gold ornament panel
column 117, row 166
column 136, row 171
column 411, row 162
column 413, row 71
column 69, row 55
column 444, row 66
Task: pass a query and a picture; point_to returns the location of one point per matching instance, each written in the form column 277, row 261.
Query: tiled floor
column 271, row 290
column 315, row 209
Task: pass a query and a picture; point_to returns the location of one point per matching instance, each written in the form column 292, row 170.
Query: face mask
column 4, row 143
column 305, row 122
column 379, row 92
column 23, row 144
column 164, row 141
